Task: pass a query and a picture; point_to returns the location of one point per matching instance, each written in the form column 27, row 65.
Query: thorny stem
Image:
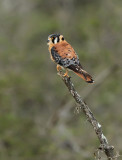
column 104, row 146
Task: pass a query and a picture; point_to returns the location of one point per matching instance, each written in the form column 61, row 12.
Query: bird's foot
column 59, row 68
column 66, row 74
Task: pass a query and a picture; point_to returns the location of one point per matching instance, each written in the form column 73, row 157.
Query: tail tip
column 91, row 81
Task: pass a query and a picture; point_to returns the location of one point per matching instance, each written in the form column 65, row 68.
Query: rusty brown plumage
column 65, row 50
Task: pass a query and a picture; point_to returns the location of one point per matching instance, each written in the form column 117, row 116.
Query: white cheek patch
column 55, row 41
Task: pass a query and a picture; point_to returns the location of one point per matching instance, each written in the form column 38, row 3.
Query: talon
column 66, row 74
column 59, row 68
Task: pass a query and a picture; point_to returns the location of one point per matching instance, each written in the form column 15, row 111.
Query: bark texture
column 104, row 145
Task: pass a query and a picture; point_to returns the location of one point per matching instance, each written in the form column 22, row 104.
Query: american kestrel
column 63, row 55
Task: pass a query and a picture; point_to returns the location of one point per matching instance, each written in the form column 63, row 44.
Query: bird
column 63, row 54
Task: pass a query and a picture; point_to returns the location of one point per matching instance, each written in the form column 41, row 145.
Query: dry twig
column 104, row 146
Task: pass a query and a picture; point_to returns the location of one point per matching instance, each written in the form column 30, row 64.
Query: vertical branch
column 104, row 146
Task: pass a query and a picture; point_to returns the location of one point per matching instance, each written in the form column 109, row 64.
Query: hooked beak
column 48, row 41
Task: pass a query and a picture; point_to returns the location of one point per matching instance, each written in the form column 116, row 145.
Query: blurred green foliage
column 34, row 121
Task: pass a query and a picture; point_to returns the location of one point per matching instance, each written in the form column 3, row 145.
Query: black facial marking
column 53, row 39
column 62, row 38
column 57, row 39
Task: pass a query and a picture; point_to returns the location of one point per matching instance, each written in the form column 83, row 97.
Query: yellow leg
column 66, row 74
column 58, row 68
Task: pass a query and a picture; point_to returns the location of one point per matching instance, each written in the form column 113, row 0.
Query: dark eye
column 62, row 38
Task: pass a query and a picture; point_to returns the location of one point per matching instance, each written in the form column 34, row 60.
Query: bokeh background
column 39, row 120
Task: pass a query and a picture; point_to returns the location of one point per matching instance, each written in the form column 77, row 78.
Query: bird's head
column 54, row 38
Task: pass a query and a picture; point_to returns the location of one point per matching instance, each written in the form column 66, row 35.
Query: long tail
column 85, row 76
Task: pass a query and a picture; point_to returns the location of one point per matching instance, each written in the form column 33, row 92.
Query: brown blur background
column 38, row 117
